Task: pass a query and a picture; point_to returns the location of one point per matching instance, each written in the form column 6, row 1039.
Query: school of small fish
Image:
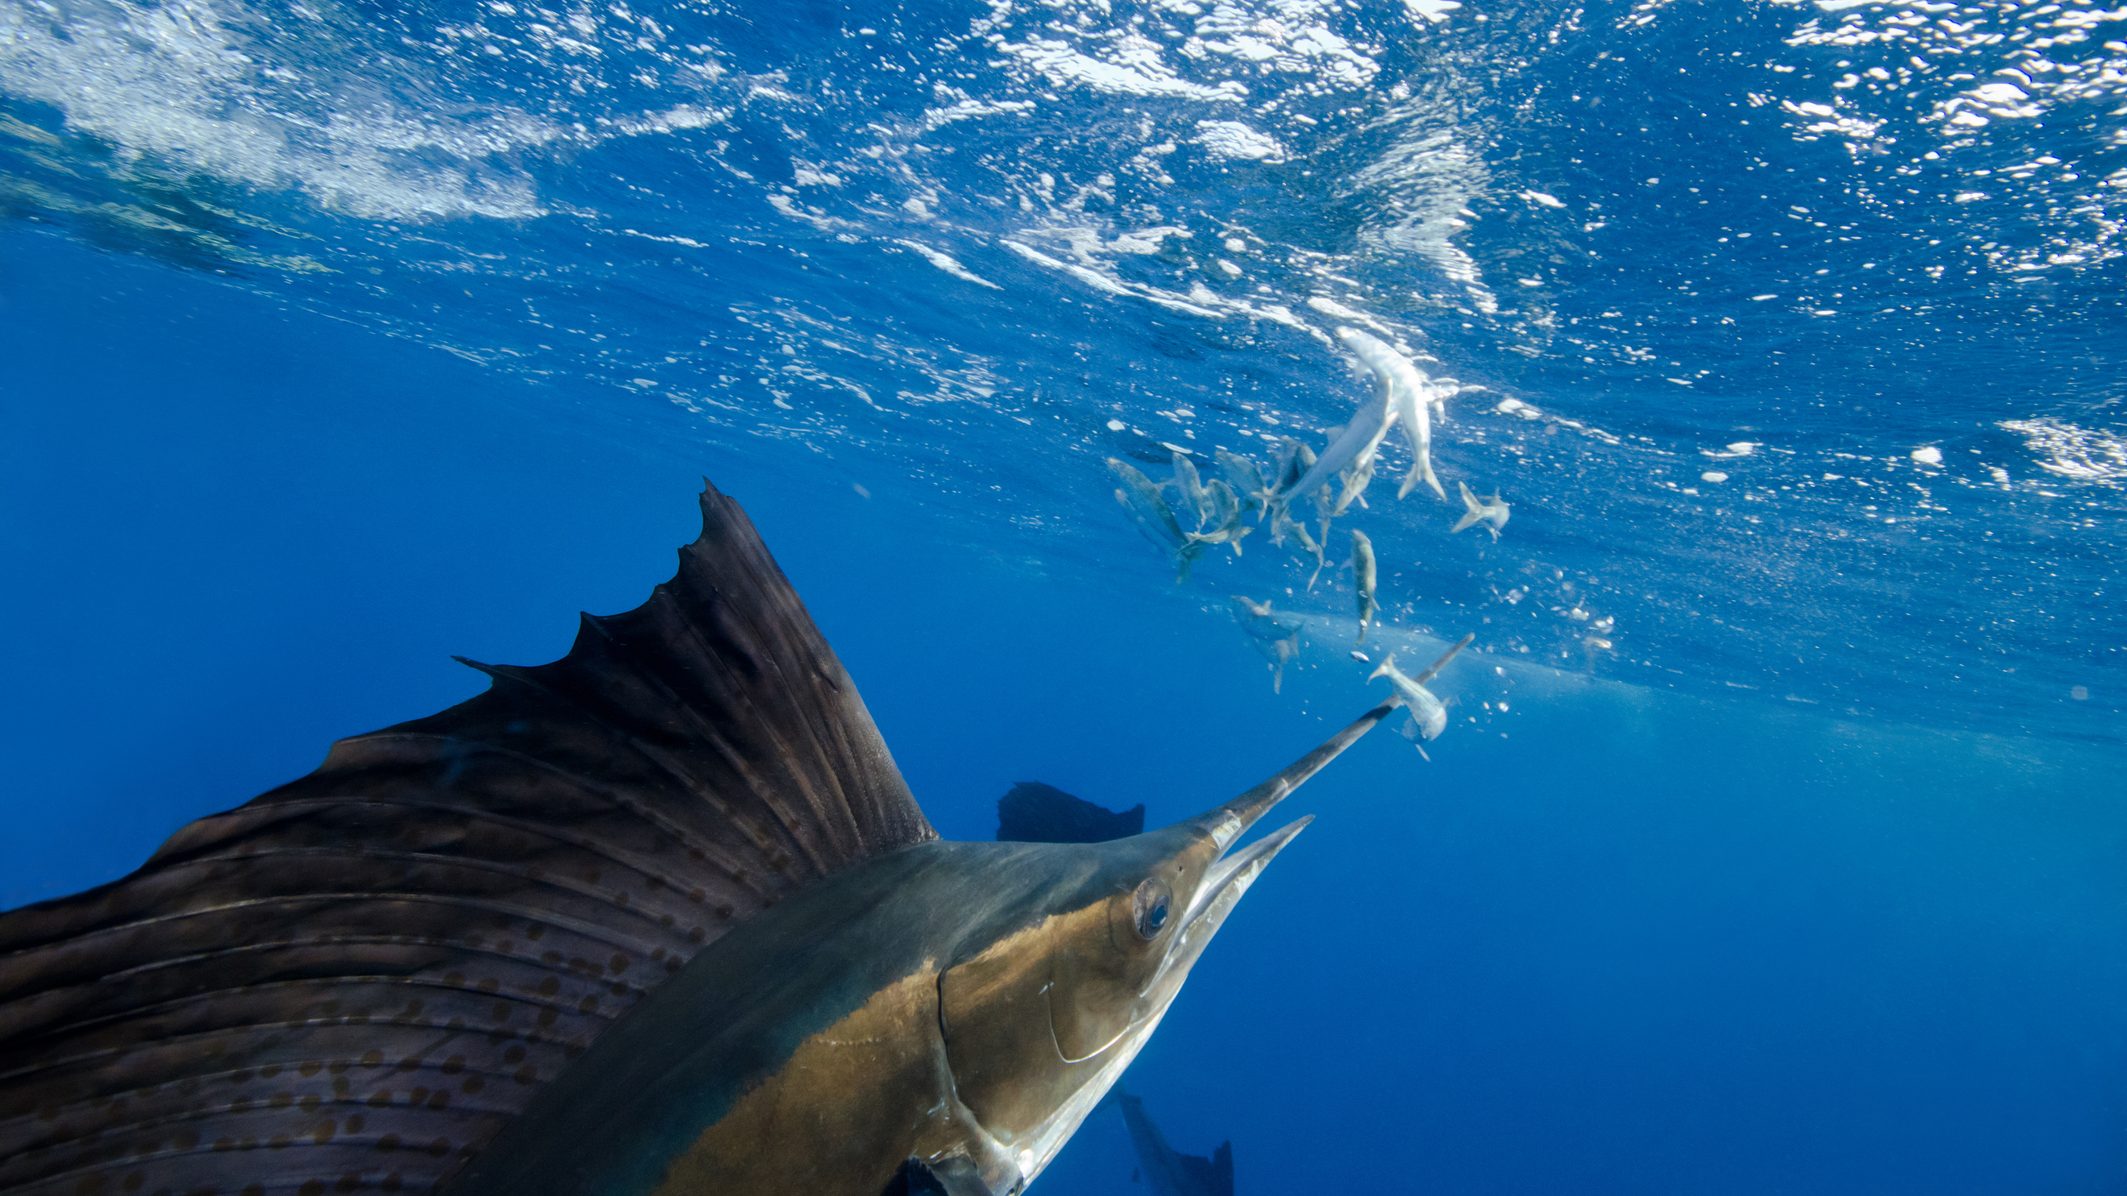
column 1241, row 494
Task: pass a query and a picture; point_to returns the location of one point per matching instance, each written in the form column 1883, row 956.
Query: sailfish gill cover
column 1768, row 836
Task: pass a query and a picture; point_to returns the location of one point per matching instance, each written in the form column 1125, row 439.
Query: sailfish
column 1168, row 1171
column 660, row 917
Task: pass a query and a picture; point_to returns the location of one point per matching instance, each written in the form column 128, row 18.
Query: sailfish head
column 1041, row 1016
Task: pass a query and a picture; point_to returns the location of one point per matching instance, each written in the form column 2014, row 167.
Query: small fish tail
column 1186, row 555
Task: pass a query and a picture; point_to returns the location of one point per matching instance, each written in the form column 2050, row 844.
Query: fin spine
column 618, row 796
column 679, row 776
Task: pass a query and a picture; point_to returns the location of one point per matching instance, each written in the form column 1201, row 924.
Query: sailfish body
column 658, row 917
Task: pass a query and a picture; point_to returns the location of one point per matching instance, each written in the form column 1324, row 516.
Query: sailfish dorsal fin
column 351, row 982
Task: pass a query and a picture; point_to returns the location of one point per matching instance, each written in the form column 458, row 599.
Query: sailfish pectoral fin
column 954, row 1175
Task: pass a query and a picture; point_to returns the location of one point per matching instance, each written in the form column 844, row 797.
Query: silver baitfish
column 1356, row 442
column 1246, row 478
column 1277, row 640
column 1148, row 509
column 1489, row 511
column 1363, row 578
column 1429, row 715
column 1190, row 485
column 1409, row 396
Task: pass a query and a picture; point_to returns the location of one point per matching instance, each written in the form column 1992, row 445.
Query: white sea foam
column 185, row 83
column 2066, row 450
column 962, row 108
column 363, row 123
column 1421, row 188
column 664, row 238
column 1103, row 281
column 1284, row 35
column 677, row 119
column 1233, row 139
column 946, row 262
column 1129, row 64
column 1212, row 63
column 1969, row 68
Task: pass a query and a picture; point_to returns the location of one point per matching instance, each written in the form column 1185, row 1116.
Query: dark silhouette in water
column 1031, row 812
column 658, row 917
column 1167, row 1170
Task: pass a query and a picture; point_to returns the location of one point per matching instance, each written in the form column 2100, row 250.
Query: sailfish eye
column 1150, row 907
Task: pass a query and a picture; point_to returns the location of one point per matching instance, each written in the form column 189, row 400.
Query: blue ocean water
column 1777, row 840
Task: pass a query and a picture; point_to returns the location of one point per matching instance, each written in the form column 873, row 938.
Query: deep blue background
column 1636, row 942
column 1778, row 842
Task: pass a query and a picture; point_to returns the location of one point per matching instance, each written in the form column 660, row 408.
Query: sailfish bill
column 660, row 917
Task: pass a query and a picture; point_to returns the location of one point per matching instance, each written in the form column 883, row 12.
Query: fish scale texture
column 352, row 982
